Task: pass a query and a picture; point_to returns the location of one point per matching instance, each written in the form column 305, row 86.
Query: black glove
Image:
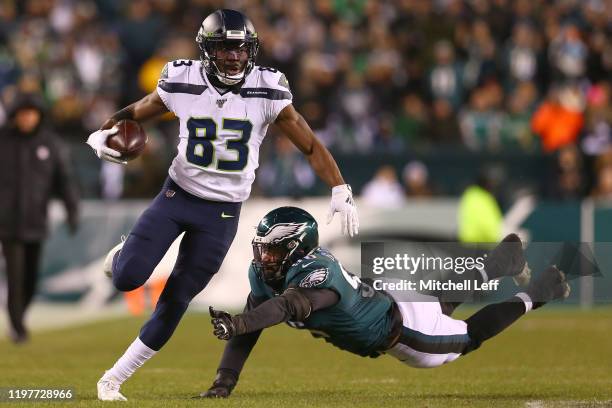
column 224, row 327
column 222, row 387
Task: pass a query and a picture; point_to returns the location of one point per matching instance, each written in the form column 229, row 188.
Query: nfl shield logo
column 170, row 193
column 220, row 102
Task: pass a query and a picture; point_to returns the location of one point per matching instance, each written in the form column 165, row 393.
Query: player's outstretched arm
column 148, row 107
column 243, row 330
column 236, row 353
column 294, row 304
column 293, row 125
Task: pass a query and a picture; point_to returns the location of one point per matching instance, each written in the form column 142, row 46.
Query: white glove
column 342, row 202
column 97, row 141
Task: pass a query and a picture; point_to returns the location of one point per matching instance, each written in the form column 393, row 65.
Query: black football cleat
column 213, row 392
column 18, row 336
column 549, row 285
column 508, row 259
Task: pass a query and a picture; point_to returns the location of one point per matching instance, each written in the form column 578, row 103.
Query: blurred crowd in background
column 370, row 77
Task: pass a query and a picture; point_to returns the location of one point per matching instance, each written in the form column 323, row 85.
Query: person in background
column 559, row 120
column 597, row 137
column 288, row 175
column 410, row 121
column 515, row 131
column 480, row 120
column 416, row 180
column 568, row 54
column 568, row 180
column 602, row 191
column 384, row 190
column 522, row 57
column 33, row 166
column 445, row 76
column 480, row 217
column 443, row 127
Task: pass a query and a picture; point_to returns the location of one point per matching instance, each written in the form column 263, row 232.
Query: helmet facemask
column 211, row 46
column 271, row 261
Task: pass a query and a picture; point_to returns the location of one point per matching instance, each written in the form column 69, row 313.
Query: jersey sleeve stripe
column 179, row 87
column 267, row 93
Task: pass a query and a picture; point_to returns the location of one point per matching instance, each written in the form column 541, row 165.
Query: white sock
column 485, row 276
column 526, row 299
column 135, row 356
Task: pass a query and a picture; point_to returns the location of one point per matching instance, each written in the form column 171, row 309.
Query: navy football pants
column 209, row 228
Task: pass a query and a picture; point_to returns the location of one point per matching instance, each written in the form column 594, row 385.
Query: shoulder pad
column 311, row 261
column 309, row 271
column 307, row 265
column 178, row 69
column 182, row 76
column 272, row 78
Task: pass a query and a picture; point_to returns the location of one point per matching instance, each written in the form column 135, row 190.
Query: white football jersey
column 220, row 133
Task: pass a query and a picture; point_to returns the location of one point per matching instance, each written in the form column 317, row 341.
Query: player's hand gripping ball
column 129, row 140
column 119, row 144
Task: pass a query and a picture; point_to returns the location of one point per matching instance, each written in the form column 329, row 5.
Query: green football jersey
column 360, row 322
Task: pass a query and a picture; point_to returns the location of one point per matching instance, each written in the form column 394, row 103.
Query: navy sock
column 493, row 319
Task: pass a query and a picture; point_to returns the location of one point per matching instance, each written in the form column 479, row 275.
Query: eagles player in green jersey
column 296, row 281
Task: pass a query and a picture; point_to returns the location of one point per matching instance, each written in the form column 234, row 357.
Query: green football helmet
column 284, row 236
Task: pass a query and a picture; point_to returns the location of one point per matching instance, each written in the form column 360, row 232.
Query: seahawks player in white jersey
column 224, row 103
column 221, row 128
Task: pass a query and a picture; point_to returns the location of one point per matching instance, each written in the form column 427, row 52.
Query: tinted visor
column 232, row 45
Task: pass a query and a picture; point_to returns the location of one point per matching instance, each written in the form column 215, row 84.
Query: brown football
column 130, row 140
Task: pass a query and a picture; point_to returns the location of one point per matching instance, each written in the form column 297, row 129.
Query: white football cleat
column 108, row 261
column 108, row 389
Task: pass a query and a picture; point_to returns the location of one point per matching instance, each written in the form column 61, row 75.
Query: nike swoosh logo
column 309, row 263
column 224, row 215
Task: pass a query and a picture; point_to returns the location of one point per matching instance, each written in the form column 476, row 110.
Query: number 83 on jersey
column 202, row 150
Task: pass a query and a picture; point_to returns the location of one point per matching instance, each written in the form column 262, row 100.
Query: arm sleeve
column 238, row 348
column 293, row 304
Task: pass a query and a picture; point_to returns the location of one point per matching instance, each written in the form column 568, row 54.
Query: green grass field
column 556, row 357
